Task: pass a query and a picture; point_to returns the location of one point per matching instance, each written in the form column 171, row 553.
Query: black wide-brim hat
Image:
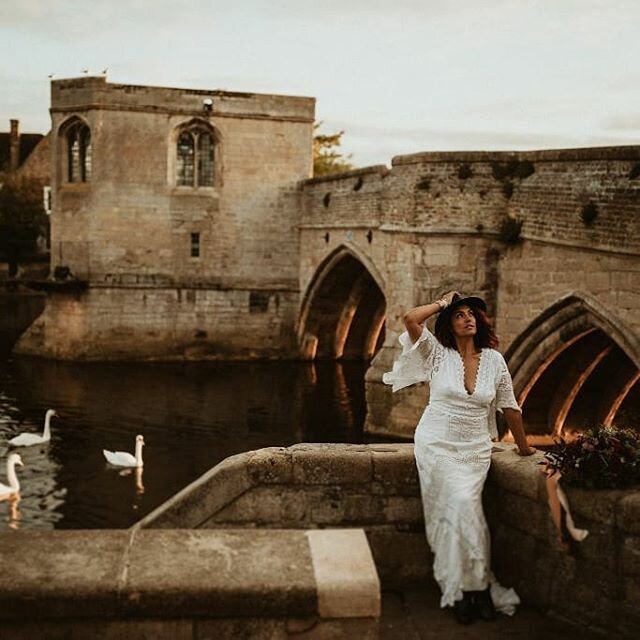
column 458, row 300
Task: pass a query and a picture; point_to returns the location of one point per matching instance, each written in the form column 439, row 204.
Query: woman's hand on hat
column 448, row 297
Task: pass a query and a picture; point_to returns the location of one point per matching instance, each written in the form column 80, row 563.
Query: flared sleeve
column 505, row 398
column 417, row 361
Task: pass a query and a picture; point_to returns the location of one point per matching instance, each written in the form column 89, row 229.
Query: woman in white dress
column 469, row 380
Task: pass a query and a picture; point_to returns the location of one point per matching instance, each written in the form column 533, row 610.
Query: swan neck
column 12, row 477
column 139, row 453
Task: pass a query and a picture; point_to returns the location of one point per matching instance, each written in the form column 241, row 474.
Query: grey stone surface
column 344, row 465
column 395, row 465
column 271, row 465
column 198, row 501
column 514, row 473
column 596, row 506
column 220, row 573
column 59, row 574
column 415, row 614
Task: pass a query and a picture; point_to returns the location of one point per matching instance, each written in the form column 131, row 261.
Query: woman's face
column 463, row 322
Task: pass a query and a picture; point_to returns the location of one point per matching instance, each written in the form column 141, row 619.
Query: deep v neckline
column 463, row 371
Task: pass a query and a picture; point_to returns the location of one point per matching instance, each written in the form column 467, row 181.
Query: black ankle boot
column 464, row 610
column 484, row 604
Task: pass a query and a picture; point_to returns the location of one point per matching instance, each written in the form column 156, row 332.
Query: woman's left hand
column 529, row 451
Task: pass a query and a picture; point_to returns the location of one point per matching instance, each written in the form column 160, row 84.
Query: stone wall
column 187, row 585
column 138, row 322
column 131, row 224
column 375, row 487
column 307, row 486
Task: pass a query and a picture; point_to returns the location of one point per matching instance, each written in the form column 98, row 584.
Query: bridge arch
column 574, row 366
column 342, row 315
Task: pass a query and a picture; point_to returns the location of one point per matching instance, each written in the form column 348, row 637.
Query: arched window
column 186, row 155
column 78, row 137
column 195, row 158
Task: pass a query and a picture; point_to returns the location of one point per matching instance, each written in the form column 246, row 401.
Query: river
column 192, row 416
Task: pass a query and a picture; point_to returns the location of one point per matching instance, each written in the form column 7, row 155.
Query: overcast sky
column 398, row 76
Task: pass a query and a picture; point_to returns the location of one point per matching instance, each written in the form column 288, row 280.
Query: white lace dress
column 453, row 454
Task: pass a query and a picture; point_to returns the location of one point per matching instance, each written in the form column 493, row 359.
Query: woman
column 469, row 380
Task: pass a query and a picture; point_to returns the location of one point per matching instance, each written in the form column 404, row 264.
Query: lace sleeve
column 505, row 398
column 417, row 361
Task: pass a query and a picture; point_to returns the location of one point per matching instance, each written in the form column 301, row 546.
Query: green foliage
column 327, row 159
column 22, row 221
column 600, row 458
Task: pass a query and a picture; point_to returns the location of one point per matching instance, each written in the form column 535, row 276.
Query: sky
column 398, row 76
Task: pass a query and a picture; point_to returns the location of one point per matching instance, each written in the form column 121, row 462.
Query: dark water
column 191, row 415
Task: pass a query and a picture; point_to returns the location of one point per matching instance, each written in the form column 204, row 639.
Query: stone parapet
column 177, row 584
column 375, row 487
column 95, row 92
column 310, row 486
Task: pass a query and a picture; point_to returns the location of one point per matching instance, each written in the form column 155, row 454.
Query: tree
column 22, row 221
column 326, row 157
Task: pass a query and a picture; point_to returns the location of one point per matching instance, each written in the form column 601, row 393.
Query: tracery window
column 78, row 152
column 195, row 158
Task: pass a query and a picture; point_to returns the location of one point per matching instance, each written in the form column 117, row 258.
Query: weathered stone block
column 516, row 474
column 271, row 465
column 395, row 465
column 163, row 575
column 47, row 574
column 344, row 465
column 598, row 506
column 403, row 509
column 520, row 512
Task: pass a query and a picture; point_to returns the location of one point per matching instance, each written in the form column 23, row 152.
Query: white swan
column 28, row 439
column 124, row 459
column 13, row 488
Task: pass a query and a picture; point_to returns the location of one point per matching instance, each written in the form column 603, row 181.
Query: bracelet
column 442, row 303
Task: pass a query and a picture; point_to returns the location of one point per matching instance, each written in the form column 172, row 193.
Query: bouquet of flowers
column 599, row 458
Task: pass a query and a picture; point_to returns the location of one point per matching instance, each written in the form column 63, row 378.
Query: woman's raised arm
column 414, row 318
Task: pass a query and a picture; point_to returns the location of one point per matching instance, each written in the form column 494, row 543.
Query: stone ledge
column 186, row 575
column 622, row 152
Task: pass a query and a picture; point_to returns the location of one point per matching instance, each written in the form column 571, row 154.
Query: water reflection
column 13, row 518
column 191, row 415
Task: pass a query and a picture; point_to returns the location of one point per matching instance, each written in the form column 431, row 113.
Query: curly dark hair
column 485, row 336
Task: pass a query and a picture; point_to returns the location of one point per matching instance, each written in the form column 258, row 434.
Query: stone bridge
column 184, row 226
column 551, row 239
